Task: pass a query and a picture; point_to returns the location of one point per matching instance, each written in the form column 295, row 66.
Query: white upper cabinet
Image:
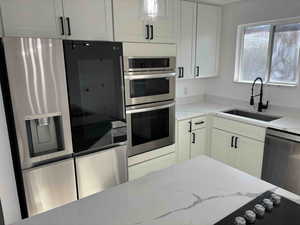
column 165, row 23
column 129, row 21
column 186, row 39
column 133, row 24
column 70, row 19
column 88, row 19
column 34, row 18
column 198, row 40
column 208, row 40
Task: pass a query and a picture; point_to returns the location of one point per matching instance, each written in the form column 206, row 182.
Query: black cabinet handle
column 69, row 26
column 151, row 28
column 179, row 72
column 199, row 123
column 197, row 71
column 62, row 25
column 235, row 144
column 147, row 32
column 232, row 140
column 194, row 138
column 190, row 126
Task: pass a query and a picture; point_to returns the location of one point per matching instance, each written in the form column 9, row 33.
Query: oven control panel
column 267, row 209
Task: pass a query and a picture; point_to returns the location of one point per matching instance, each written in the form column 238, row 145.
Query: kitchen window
column 270, row 51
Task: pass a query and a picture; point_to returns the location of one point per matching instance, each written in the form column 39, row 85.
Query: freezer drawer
column 101, row 170
column 49, row 186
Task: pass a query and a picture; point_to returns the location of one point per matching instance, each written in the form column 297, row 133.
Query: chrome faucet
column 261, row 105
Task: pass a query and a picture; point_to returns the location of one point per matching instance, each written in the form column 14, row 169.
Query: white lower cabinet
column 143, row 164
column 198, row 142
column 191, row 138
column 250, row 156
column 183, row 140
column 221, row 149
column 243, row 153
column 144, row 168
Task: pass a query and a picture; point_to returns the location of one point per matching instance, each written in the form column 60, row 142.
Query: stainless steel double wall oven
column 150, row 106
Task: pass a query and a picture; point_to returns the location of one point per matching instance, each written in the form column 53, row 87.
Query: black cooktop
column 285, row 213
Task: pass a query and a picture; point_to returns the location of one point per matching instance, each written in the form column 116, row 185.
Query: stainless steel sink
column 252, row 115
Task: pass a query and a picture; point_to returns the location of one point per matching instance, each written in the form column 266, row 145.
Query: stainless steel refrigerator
column 46, row 134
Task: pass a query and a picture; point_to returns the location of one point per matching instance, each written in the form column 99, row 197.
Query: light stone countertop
column 289, row 121
column 201, row 191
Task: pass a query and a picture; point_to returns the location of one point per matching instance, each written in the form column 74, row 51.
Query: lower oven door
column 150, row 126
column 149, row 88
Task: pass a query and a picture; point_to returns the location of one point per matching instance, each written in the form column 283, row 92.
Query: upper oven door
column 141, row 89
column 140, row 64
column 150, row 127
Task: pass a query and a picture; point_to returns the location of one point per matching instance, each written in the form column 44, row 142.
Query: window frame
column 240, row 49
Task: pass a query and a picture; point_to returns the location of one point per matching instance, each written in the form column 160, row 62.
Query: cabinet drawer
column 242, row 129
column 151, row 155
column 142, row 169
column 198, row 123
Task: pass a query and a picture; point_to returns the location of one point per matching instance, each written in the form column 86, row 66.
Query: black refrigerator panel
column 95, row 87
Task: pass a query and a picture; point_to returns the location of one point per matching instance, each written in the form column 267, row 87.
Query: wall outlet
column 185, row 91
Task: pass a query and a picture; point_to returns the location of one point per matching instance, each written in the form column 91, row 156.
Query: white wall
column 8, row 190
column 249, row 11
column 187, row 88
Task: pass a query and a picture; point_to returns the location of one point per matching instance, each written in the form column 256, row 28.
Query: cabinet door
column 186, row 38
column 183, row 140
column 165, row 23
column 198, row 142
column 89, row 19
column 129, row 21
column 221, row 149
column 32, row 18
column 250, row 156
column 144, row 168
column 208, row 40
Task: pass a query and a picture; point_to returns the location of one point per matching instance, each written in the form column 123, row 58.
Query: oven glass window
column 149, row 63
column 149, row 87
column 149, row 126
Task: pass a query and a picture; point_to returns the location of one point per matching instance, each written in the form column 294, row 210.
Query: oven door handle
column 131, row 111
column 140, row 77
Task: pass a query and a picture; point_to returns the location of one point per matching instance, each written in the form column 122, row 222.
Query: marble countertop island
column 197, row 192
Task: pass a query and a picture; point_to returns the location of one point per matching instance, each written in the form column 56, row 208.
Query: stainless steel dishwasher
column 281, row 163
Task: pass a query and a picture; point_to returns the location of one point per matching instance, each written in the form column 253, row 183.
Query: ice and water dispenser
column 45, row 135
